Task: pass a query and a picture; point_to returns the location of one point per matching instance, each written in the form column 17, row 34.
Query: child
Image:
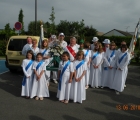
column 45, row 52
column 65, row 74
column 28, row 74
column 78, row 93
column 87, row 54
column 120, row 76
column 39, row 88
column 96, row 69
column 110, row 68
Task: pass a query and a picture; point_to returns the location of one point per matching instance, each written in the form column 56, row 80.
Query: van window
column 17, row 44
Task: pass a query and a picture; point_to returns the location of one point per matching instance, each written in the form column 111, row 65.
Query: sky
column 103, row 15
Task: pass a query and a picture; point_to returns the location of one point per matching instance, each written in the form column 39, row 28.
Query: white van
column 14, row 55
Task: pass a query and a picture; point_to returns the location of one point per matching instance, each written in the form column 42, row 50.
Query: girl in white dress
column 34, row 47
column 46, row 57
column 28, row 74
column 110, row 69
column 87, row 54
column 78, row 92
column 97, row 56
column 39, row 88
column 65, row 75
column 120, row 75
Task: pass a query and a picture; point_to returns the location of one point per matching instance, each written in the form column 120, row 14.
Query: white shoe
column 124, row 85
column 117, row 93
column 55, row 81
column 102, row 87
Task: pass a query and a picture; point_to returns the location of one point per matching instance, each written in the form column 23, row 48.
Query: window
column 16, row 44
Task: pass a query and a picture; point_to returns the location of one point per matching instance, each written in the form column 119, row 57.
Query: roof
column 100, row 33
column 122, row 32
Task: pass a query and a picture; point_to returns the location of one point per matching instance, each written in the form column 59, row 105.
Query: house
column 116, row 32
column 100, row 33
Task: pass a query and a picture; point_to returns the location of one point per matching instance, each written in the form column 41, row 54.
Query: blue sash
column 95, row 55
column 105, row 68
column 39, row 64
column 62, row 72
column 26, row 68
column 112, row 54
column 86, row 53
column 79, row 65
column 122, row 57
column 44, row 52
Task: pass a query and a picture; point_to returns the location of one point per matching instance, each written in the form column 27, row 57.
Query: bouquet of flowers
column 56, row 50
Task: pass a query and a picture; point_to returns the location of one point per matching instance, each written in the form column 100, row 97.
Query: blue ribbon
column 112, row 54
column 39, row 64
column 95, row 55
column 122, row 57
column 105, row 68
column 44, row 52
column 62, row 72
column 81, row 63
column 86, row 53
column 26, row 68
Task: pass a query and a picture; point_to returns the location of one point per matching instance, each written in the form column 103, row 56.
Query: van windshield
column 16, row 44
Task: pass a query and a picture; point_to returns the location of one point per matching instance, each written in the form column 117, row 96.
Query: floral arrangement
column 56, row 49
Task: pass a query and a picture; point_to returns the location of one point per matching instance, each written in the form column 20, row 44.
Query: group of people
column 81, row 66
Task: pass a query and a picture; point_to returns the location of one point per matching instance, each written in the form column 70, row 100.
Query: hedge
column 3, row 44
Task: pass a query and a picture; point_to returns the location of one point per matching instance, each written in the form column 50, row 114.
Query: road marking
column 4, row 72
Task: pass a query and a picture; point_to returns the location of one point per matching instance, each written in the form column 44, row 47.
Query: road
column 100, row 104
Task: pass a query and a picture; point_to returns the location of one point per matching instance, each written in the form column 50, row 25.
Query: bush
column 3, row 44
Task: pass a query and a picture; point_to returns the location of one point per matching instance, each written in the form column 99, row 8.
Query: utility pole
column 35, row 17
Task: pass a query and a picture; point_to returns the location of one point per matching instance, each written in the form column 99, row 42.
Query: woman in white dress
column 120, row 75
column 34, row 47
column 46, row 57
column 97, row 56
column 65, row 75
column 40, row 87
column 110, row 69
column 78, row 92
column 28, row 74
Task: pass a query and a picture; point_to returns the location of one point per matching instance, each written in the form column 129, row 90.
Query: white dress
column 35, row 51
column 92, row 46
column 26, row 89
column 64, row 93
column 26, row 48
column 96, row 74
column 47, row 61
column 39, row 87
column 87, row 76
column 108, row 74
column 120, row 75
column 78, row 92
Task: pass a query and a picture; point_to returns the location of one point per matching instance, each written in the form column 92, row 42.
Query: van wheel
column 12, row 70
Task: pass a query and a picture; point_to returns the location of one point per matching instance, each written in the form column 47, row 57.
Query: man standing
column 72, row 49
column 95, row 40
column 61, row 40
column 106, row 44
column 27, row 46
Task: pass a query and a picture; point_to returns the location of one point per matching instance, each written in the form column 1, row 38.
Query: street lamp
column 35, row 17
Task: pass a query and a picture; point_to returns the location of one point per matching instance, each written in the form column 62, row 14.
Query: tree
column 20, row 19
column 52, row 28
column 31, row 28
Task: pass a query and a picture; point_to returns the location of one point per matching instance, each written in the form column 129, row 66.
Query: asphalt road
column 101, row 104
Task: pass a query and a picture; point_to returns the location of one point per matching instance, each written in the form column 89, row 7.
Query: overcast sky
column 103, row 15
